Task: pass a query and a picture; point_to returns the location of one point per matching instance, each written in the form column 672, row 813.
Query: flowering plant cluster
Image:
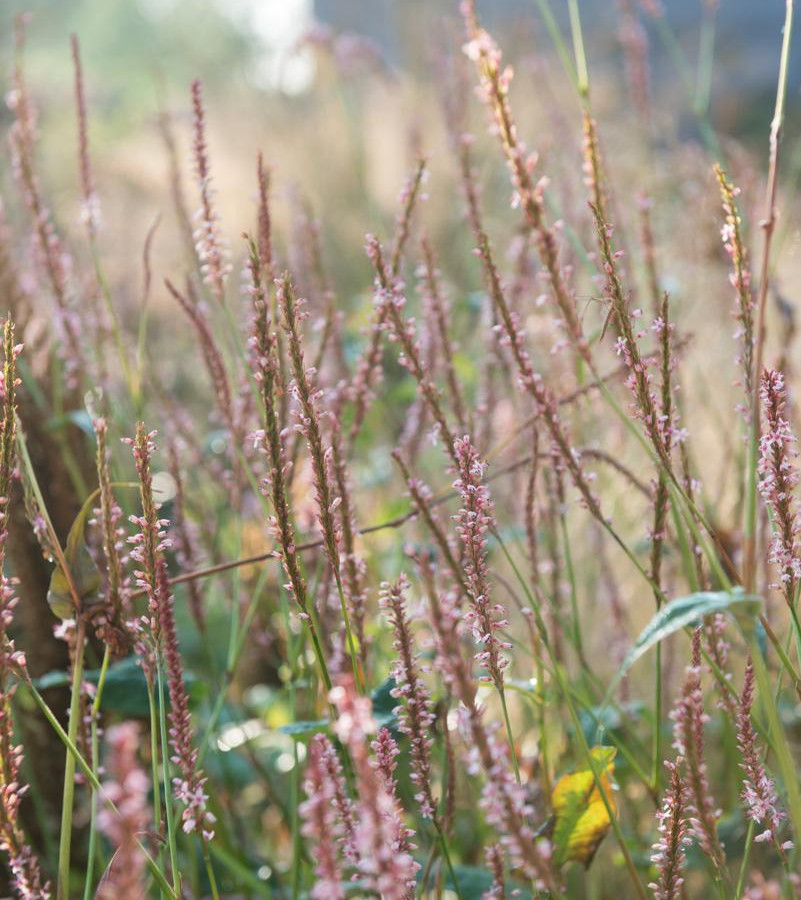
column 435, row 583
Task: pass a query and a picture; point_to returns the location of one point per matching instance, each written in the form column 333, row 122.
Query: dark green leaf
column 125, row 690
column 474, row 882
column 384, row 704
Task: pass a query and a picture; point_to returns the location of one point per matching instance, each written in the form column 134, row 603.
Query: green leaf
column 385, row 705
column 311, row 726
column 125, row 690
column 684, row 611
column 474, row 882
column 83, row 571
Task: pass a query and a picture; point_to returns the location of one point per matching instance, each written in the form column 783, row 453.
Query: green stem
column 676, row 52
column 294, row 791
column 68, row 799
column 154, row 763
column 115, row 324
column 678, row 497
column 172, row 841
column 706, row 58
column 215, row 893
column 749, row 840
column 237, row 637
column 354, row 655
column 101, row 683
column 564, row 689
column 558, row 41
column 571, row 578
column 241, row 870
column 768, row 226
column 294, row 784
column 509, row 735
column 446, row 855
column 93, row 780
column 582, row 73
column 656, row 766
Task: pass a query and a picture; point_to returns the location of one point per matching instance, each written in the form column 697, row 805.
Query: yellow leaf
column 581, row 820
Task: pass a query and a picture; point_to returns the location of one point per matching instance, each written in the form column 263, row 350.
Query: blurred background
column 341, row 94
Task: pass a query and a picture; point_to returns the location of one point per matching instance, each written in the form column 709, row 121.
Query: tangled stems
column 309, row 426
column 267, row 374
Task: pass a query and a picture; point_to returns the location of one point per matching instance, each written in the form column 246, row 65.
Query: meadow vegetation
column 454, row 552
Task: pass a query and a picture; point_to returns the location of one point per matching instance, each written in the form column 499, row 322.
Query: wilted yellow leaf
column 581, row 820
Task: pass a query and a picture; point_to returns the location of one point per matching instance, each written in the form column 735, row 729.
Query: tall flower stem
column 768, row 227
column 446, row 855
column 154, row 762
column 239, row 633
column 172, row 840
column 509, row 735
column 68, row 798
column 779, row 743
column 215, row 892
column 743, row 873
column 310, row 428
column 101, row 683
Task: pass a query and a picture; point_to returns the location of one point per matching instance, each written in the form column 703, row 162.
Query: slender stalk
column 582, row 73
column 571, row 578
column 294, row 802
column 101, row 683
column 68, row 798
column 115, row 323
column 172, row 840
column 238, row 638
column 676, row 52
column 154, row 763
column 564, row 689
column 558, row 40
column 706, row 58
column 215, row 893
column 656, row 759
column 768, row 228
column 509, row 735
column 446, row 855
column 93, row 780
